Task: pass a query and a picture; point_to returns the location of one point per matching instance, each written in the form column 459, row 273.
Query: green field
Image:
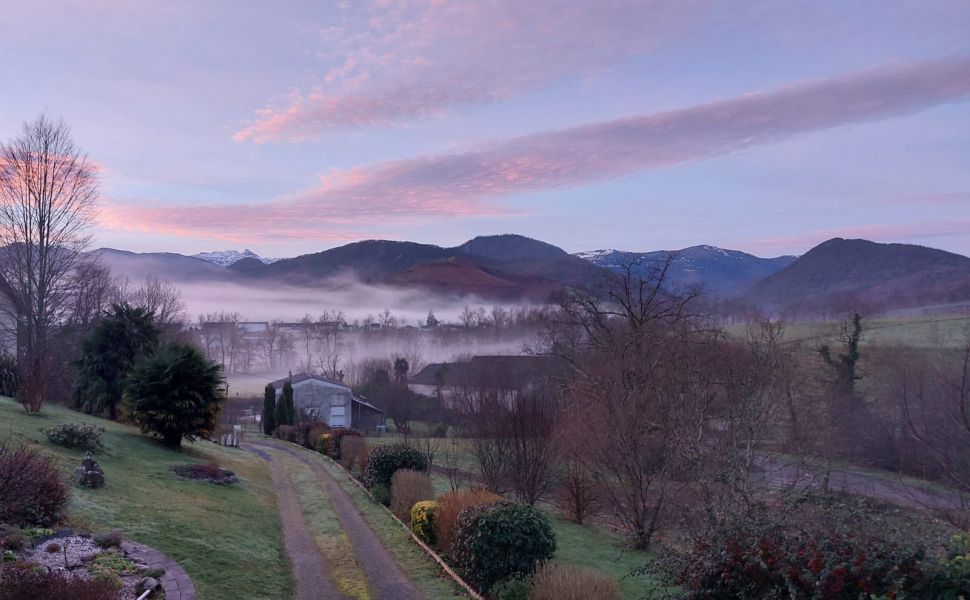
column 227, row 538
column 939, row 331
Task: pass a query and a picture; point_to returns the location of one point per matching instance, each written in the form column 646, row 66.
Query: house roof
column 301, row 377
column 496, row 371
column 363, row 402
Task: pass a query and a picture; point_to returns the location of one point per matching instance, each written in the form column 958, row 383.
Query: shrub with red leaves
column 750, row 562
column 32, row 492
column 24, row 583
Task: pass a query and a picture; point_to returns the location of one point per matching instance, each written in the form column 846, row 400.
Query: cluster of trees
column 171, row 391
column 52, row 289
column 277, row 413
column 668, row 419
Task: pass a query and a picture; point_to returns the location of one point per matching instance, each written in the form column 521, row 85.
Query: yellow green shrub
column 422, row 520
column 323, row 443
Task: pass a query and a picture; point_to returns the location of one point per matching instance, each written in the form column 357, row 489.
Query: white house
column 331, row 401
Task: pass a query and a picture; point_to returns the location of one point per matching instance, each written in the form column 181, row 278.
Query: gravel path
column 385, row 578
column 309, row 567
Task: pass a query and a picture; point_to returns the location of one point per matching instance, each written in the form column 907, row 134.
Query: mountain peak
column 225, row 258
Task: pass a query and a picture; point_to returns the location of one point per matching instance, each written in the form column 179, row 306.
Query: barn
column 331, row 401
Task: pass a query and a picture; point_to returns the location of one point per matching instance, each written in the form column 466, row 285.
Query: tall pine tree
column 288, row 403
column 269, row 409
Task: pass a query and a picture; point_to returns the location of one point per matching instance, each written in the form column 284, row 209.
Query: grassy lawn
column 227, row 538
column 595, row 548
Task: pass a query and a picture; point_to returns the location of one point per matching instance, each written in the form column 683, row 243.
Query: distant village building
column 330, row 401
column 499, row 377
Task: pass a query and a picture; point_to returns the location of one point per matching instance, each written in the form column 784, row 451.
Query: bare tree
column 935, row 395
column 274, row 331
column 642, row 384
column 164, row 300
column 48, row 190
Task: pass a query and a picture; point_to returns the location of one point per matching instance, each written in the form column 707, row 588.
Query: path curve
column 309, row 566
column 385, row 578
column 176, row 582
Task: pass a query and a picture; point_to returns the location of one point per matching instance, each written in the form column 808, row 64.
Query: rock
column 113, row 550
column 148, row 583
column 89, row 474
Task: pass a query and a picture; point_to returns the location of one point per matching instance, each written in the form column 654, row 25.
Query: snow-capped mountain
column 225, row 258
column 720, row 271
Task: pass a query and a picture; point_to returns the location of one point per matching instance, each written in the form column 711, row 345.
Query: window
column 338, row 416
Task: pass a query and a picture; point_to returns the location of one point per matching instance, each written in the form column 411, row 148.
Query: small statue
column 89, row 474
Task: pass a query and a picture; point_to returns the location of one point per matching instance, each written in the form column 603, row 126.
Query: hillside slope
column 226, row 537
column 845, row 272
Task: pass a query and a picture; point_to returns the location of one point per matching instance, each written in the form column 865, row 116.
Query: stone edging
column 427, row 549
column 176, row 582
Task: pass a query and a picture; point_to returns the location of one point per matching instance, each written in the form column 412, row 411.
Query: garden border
column 176, row 582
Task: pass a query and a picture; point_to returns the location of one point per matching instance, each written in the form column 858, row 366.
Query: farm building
column 330, row 401
column 501, row 377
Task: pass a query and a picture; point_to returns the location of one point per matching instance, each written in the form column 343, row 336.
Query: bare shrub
column 513, row 441
column 32, row 492
column 450, row 464
column 449, row 508
column 407, row 488
column 577, row 494
column 353, row 453
column 555, row 581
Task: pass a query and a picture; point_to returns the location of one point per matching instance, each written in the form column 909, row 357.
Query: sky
column 290, row 127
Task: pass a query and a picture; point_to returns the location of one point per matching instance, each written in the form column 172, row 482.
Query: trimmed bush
column 422, row 521
column 556, row 581
column 407, row 488
column 110, row 539
column 336, row 445
column 450, row 506
column 29, row 584
column 75, row 435
column 353, row 453
column 382, row 494
column 385, row 460
column 516, row 588
column 307, row 432
column 500, row 541
column 11, row 538
column 32, row 492
column 323, row 443
column 286, row 433
column 313, row 432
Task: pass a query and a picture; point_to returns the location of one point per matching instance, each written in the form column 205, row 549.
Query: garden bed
column 68, row 557
column 208, row 472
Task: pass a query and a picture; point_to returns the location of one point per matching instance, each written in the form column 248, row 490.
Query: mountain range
column 517, row 268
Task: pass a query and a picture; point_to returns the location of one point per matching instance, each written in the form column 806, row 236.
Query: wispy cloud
column 396, row 61
column 467, row 184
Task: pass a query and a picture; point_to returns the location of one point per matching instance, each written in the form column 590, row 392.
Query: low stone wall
column 176, row 582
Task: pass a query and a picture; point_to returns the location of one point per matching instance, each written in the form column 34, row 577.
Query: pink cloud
column 394, row 62
column 466, row 184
